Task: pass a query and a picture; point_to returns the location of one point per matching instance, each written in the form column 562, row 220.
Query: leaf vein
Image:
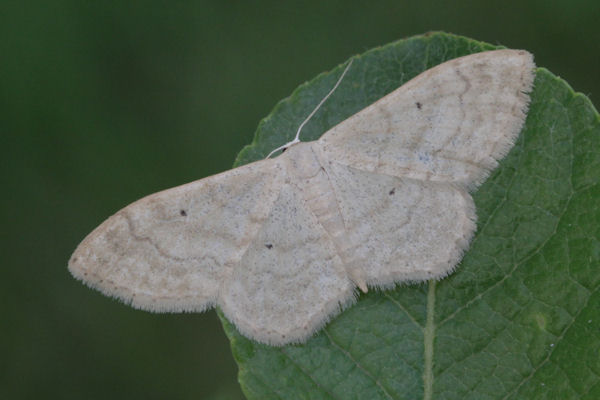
column 401, row 307
column 355, row 361
column 552, row 349
column 311, row 378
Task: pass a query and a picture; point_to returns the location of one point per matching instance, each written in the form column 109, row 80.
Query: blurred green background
column 104, row 102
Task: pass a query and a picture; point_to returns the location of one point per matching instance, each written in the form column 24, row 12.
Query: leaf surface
column 520, row 317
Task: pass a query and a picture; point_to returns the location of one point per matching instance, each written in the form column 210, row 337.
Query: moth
column 282, row 244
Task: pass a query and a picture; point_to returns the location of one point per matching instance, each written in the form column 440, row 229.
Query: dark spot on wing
column 419, row 105
column 391, row 193
column 269, row 246
column 182, row 213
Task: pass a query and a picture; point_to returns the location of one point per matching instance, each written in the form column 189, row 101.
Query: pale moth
column 281, row 245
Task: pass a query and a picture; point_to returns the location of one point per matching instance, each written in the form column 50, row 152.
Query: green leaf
column 520, row 318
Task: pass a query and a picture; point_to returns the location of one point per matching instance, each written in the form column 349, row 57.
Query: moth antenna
column 297, row 138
